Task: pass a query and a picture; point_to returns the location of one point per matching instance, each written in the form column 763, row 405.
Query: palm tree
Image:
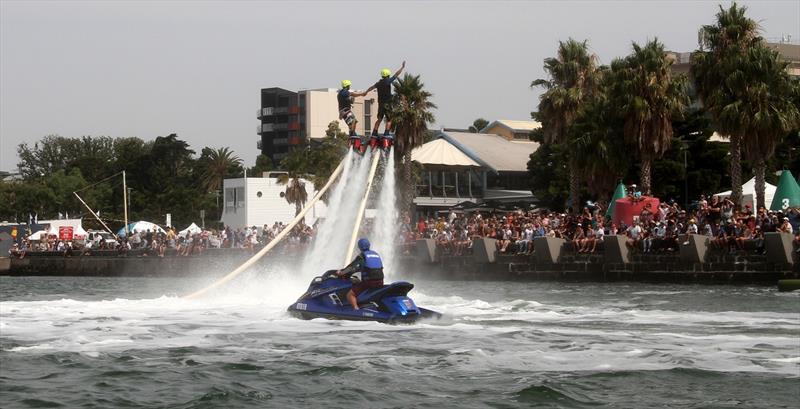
column 571, row 82
column 648, row 98
column 600, row 153
column 720, row 79
column 296, row 164
column 770, row 110
column 220, row 163
column 411, row 115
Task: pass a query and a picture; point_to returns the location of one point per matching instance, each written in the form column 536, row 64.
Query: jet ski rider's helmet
column 385, row 73
column 363, row 244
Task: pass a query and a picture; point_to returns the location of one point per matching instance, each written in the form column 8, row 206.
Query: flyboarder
column 366, row 271
column 345, row 98
column 384, row 87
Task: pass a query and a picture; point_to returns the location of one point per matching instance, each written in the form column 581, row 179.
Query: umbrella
column 141, row 226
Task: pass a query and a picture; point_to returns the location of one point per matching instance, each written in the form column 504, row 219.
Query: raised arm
column 399, row 70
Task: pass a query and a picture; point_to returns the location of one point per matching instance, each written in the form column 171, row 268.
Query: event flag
column 787, row 194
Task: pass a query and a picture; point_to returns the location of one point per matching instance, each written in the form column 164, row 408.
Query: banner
column 65, row 233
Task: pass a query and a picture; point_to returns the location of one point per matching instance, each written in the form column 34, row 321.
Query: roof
column 441, row 152
column 493, row 151
column 515, row 126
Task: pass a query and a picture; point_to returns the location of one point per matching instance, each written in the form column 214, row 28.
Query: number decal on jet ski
column 301, row 306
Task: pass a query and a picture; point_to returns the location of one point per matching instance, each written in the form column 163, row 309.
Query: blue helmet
column 363, row 244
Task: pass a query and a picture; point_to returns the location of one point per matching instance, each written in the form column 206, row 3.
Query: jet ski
column 327, row 298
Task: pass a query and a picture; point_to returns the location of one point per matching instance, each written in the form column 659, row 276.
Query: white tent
column 749, row 193
column 39, row 235
column 192, row 229
column 442, row 153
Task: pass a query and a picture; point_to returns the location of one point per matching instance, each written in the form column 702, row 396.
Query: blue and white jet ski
column 327, row 298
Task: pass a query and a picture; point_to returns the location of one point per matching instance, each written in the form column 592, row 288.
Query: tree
column 218, row 164
column 296, row 164
column 769, row 107
column 648, row 97
column 718, row 71
column 263, row 164
column 411, row 114
column 478, row 124
column 571, row 82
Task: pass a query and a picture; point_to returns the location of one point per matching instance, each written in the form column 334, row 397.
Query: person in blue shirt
column 366, row 271
column 345, row 98
column 384, row 87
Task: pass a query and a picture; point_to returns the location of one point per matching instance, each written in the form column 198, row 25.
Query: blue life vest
column 373, row 266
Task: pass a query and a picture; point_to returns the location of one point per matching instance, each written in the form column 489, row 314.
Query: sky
column 195, row 68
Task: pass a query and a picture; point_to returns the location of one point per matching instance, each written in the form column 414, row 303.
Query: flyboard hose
column 275, row 240
column 376, row 156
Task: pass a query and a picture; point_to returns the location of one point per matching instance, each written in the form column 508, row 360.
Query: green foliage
column 549, row 176
column 163, row 176
column 478, row 124
column 263, row 164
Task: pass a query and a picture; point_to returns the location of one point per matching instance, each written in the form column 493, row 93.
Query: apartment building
column 288, row 119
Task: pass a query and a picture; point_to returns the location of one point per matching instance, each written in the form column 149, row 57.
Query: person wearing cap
column 345, row 99
column 786, row 227
column 384, row 87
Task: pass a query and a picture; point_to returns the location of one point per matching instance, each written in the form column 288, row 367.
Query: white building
column 256, row 201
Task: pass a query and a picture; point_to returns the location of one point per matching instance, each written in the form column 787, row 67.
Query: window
column 234, row 199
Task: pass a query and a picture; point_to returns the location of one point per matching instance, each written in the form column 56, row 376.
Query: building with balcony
column 288, row 119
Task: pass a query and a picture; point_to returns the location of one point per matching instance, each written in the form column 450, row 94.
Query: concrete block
column 548, row 249
column 779, row 248
column 616, row 250
column 484, row 250
column 426, row 250
column 696, row 250
column 5, row 265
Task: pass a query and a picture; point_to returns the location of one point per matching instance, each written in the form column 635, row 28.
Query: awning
column 442, row 153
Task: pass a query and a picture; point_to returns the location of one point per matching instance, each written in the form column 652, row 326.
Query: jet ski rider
column 366, row 271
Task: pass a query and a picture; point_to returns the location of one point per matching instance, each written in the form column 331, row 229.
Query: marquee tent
column 192, row 229
column 749, row 193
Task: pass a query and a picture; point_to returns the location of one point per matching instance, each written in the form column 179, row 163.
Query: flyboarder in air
column 345, row 98
column 384, row 87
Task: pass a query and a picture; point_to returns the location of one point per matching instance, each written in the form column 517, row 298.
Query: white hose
column 275, row 240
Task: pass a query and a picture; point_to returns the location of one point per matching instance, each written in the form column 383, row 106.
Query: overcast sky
column 195, row 68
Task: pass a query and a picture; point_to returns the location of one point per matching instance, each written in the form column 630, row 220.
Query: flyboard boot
column 374, row 140
column 355, row 143
column 387, row 141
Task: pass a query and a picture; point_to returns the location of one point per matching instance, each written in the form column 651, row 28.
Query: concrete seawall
column 551, row 260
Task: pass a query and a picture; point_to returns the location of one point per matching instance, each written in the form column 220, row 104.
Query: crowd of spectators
column 663, row 229
column 150, row 242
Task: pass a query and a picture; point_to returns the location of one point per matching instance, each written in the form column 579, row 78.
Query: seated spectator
column 634, row 236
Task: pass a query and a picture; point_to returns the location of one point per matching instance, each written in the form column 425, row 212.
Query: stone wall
column 552, row 259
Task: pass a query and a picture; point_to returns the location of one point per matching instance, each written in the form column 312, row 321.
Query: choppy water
column 113, row 342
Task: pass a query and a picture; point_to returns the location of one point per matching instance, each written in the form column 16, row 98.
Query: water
column 385, row 229
column 335, row 231
column 131, row 342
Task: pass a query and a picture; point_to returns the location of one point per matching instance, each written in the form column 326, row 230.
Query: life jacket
column 373, row 266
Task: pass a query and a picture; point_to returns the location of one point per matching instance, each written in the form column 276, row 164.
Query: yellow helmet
column 385, row 73
column 346, row 83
